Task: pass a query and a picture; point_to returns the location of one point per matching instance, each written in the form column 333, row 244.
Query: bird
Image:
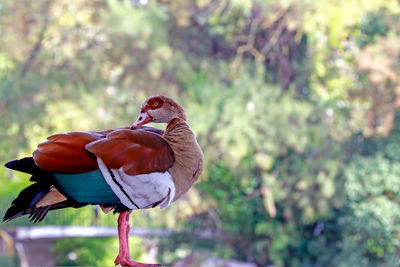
column 121, row 170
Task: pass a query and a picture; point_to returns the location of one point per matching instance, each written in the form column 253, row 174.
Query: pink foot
column 117, row 262
column 128, row 262
column 123, row 235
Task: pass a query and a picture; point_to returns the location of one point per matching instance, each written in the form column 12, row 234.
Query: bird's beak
column 144, row 117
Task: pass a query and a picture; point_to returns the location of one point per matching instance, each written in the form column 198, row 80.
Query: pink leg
column 123, row 257
column 128, row 228
column 122, row 229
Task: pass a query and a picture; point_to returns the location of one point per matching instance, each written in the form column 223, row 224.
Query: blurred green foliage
column 84, row 252
column 293, row 102
column 9, row 261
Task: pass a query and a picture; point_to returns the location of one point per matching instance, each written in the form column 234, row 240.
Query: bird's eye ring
column 155, row 104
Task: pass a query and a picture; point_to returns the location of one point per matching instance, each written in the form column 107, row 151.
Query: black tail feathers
column 26, row 165
column 27, row 198
column 25, row 203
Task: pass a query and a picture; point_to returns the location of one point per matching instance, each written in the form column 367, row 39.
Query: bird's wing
column 135, row 165
column 151, row 130
column 136, row 152
column 66, row 153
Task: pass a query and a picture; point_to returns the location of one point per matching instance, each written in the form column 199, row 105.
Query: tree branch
column 38, row 45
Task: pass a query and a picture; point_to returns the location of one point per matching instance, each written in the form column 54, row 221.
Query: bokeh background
column 295, row 104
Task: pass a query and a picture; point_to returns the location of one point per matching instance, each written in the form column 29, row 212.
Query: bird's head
column 158, row 109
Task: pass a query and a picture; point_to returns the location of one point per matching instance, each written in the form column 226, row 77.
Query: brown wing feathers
column 138, row 152
column 66, row 153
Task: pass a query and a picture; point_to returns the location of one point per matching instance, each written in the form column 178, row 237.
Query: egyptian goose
column 122, row 170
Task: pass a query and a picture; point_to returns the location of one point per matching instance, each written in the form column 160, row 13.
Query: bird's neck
column 172, row 123
column 188, row 155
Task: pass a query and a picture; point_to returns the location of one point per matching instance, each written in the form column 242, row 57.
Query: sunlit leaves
column 6, row 65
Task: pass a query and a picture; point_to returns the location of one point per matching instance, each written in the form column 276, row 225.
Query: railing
column 84, row 216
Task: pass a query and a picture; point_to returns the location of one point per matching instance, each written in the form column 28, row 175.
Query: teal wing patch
column 89, row 187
